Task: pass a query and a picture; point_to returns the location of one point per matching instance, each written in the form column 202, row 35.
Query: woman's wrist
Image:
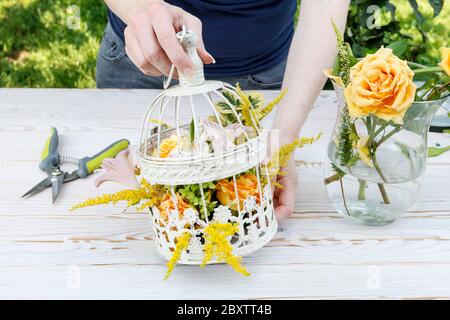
column 140, row 5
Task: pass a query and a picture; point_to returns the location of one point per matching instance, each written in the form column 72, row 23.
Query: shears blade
column 38, row 188
column 57, row 182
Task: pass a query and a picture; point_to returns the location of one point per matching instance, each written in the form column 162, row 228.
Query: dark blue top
column 244, row 36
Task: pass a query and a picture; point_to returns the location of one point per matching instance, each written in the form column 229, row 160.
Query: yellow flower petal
column 445, row 63
column 166, row 147
column 363, row 151
column 329, row 74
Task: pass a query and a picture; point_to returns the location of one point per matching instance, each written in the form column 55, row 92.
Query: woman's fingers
column 162, row 22
column 150, row 47
column 136, row 55
column 285, row 197
column 195, row 25
column 151, row 41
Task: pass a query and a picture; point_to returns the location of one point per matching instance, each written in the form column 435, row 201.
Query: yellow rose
column 166, row 147
column 445, row 64
column 247, row 185
column 363, row 151
column 381, row 84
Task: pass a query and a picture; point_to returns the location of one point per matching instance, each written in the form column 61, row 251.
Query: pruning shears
column 51, row 161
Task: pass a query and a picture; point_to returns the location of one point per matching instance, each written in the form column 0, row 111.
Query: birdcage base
column 197, row 259
column 256, row 227
column 242, row 252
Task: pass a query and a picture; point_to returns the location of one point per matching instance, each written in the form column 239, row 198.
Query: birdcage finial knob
column 188, row 40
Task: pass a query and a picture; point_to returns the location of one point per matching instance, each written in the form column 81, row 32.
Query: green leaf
column 436, row 151
column 392, row 10
column 399, row 47
column 437, row 6
column 192, row 130
column 415, row 7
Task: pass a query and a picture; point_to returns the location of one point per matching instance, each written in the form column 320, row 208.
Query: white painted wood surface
column 102, row 252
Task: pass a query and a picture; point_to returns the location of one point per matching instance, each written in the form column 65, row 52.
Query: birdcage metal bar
column 205, row 210
column 145, row 122
column 163, row 108
column 237, row 195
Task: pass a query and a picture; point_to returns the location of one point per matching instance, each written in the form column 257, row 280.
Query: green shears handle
column 87, row 165
column 50, row 156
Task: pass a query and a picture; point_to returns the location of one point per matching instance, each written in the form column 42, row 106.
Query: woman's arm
column 313, row 50
column 125, row 9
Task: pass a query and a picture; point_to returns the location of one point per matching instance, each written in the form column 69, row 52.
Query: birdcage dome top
column 181, row 144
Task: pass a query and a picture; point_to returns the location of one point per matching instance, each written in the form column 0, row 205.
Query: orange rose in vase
column 382, row 85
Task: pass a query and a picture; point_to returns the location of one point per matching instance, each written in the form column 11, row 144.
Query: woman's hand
column 284, row 198
column 151, row 43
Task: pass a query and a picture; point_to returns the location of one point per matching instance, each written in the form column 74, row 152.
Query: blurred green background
column 38, row 49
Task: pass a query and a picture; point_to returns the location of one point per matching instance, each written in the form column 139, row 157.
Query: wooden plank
column 288, row 281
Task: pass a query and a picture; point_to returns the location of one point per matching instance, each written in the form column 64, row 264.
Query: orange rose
column 247, row 185
column 381, row 84
column 445, row 64
column 166, row 206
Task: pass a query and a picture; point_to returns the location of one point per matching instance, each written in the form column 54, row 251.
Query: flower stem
column 335, row 177
column 383, row 193
column 343, row 196
column 384, row 138
column 377, row 167
column 362, row 190
column 417, row 65
column 428, row 70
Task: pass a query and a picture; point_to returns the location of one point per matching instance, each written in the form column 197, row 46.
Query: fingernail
column 188, row 72
column 213, row 61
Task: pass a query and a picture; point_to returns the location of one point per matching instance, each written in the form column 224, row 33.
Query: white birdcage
column 203, row 151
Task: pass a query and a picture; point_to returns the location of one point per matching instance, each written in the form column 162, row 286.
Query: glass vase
column 378, row 187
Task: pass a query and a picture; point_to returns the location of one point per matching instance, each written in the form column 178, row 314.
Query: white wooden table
column 48, row 252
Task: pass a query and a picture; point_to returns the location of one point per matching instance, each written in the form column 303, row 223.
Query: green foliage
column 192, row 193
column 414, row 29
column 347, row 133
column 436, row 151
column 192, row 130
column 38, row 49
column 436, row 86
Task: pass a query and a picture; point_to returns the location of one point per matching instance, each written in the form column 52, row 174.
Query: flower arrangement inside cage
column 205, row 180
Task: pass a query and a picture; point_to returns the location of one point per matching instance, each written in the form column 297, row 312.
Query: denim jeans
column 116, row 70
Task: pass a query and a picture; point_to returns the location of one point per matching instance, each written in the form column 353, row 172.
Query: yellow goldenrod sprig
column 281, row 157
column 146, row 191
column 182, row 243
column 343, row 55
column 246, row 109
column 263, row 112
column 217, row 244
column 159, row 122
